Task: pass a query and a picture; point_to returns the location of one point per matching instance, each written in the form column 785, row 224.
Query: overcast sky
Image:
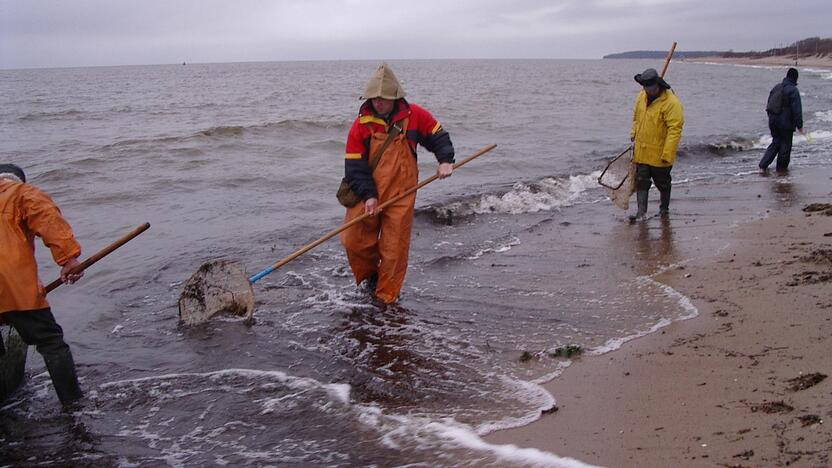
column 60, row 33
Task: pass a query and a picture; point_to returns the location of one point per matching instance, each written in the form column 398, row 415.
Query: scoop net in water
column 618, row 178
column 218, row 286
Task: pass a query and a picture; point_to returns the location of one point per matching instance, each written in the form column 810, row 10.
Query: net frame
column 613, row 185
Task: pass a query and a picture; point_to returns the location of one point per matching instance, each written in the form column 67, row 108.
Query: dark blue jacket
column 791, row 113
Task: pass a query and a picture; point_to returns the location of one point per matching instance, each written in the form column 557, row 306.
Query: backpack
column 775, row 99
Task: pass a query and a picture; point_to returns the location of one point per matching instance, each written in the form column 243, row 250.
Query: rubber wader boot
column 664, row 205
column 641, row 199
column 62, row 371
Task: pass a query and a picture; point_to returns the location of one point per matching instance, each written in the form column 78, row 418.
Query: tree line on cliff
column 809, row 47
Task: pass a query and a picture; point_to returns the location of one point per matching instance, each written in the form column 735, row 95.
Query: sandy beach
column 743, row 384
column 775, row 60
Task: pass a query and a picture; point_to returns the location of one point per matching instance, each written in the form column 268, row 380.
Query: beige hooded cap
column 383, row 84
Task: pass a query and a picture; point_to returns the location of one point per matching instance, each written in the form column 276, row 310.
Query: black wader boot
column 641, row 200
column 664, row 205
column 39, row 328
column 61, row 369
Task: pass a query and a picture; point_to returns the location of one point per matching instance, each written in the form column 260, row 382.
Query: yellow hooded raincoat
column 657, row 129
column 26, row 212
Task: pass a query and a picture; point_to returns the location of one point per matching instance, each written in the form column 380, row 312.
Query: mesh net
column 619, row 177
column 218, row 286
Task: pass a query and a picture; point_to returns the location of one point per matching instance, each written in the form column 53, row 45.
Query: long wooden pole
column 354, row 221
column 667, row 60
column 101, row 254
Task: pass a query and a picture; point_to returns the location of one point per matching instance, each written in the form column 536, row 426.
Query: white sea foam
column 825, row 116
column 689, row 311
column 763, row 142
column 548, row 194
column 531, row 392
column 462, row 436
column 400, row 430
column 499, row 246
column 338, row 392
column 819, row 135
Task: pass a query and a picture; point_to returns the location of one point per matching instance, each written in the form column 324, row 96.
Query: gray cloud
column 37, row 33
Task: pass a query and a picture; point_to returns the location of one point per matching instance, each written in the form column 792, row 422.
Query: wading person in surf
column 657, row 128
column 785, row 114
column 27, row 212
column 380, row 163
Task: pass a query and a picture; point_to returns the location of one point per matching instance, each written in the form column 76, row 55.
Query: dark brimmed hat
column 13, row 170
column 650, row 77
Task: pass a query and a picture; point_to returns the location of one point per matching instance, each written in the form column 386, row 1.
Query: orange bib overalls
column 381, row 243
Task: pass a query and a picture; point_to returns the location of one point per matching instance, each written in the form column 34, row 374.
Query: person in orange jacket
column 377, row 248
column 28, row 212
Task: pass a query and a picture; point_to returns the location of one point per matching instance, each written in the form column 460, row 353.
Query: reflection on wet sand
column 654, row 247
column 784, row 193
column 382, row 345
column 782, row 188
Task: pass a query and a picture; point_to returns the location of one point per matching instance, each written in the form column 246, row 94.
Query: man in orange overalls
column 26, row 212
column 377, row 248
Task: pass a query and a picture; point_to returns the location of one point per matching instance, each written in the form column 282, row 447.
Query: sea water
column 518, row 254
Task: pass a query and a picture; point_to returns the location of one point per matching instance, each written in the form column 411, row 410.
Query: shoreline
column 714, row 389
column 770, row 61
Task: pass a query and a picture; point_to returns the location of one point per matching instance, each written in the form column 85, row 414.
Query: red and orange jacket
column 422, row 129
column 26, row 212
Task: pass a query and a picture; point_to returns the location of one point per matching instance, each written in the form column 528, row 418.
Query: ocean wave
column 727, row 145
column 56, row 115
column 223, row 131
column 289, row 124
column 232, row 131
column 524, row 197
column 722, row 146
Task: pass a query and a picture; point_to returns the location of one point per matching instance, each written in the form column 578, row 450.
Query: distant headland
column 659, row 54
column 812, row 51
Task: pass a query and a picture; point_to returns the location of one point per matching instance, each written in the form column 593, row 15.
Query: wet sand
column 774, row 60
column 743, row 384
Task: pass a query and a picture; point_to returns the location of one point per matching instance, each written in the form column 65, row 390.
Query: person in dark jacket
column 785, row 114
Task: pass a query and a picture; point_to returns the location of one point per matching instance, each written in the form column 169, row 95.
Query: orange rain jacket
column 26, row 212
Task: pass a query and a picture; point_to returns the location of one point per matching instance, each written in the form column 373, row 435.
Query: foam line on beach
column 451, row 435
column 690, row 311
column 508, row 452
column 530, row 391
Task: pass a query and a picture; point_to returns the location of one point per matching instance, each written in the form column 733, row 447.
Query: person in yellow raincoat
column 658, row 118
column 27, row 212
column 378, row 247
